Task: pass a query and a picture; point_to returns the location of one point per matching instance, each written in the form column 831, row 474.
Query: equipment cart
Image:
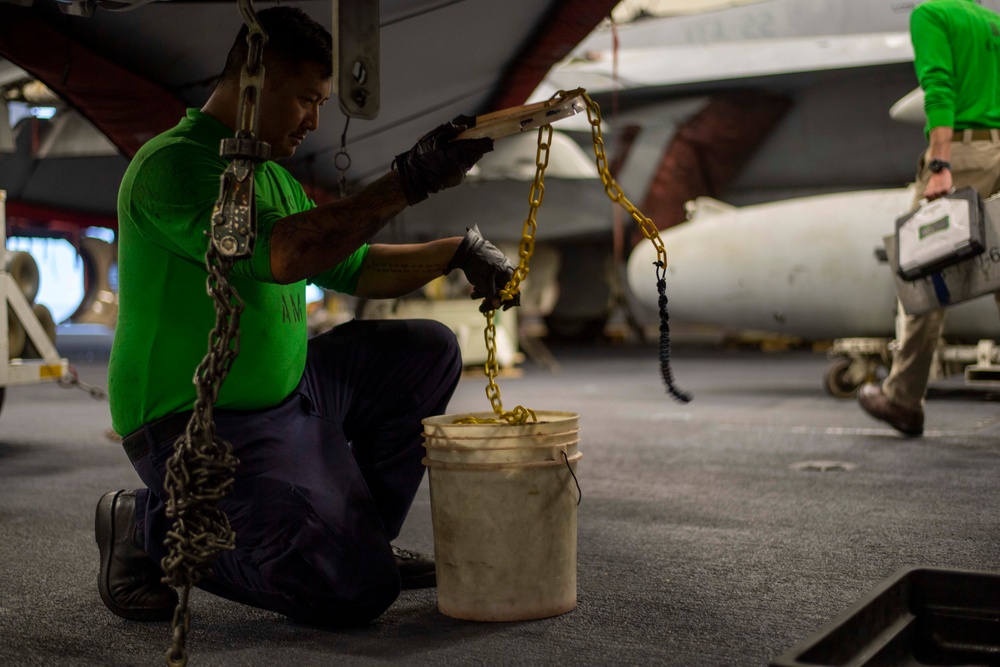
column 50, row 367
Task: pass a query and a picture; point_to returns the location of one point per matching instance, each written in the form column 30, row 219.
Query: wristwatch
column 937, row 166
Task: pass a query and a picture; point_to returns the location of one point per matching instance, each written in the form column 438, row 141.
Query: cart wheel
column 838, row 382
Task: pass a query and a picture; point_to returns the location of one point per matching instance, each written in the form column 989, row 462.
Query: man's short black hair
column 293, row 39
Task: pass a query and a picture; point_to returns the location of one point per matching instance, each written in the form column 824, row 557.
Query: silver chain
column 202, row 468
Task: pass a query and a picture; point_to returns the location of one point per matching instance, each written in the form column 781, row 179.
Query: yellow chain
column 611, row 187
column 520, row 415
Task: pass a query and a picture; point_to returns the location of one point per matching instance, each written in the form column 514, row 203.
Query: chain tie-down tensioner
column 202, row 468
column 560, row 106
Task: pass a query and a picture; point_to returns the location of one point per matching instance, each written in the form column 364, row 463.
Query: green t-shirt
column 956, row 45
column 165, row 314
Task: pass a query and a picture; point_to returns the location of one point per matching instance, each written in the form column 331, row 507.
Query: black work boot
column 416, row 570
column 129, row 580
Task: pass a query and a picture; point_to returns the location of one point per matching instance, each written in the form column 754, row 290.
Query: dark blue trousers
column 326, row 478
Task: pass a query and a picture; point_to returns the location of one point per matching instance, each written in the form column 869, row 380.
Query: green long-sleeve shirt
column 956, row 46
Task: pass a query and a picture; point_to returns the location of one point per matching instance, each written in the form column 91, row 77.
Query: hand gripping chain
column 202, row 468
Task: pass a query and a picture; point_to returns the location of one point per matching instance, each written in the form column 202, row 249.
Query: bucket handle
column 579, row 492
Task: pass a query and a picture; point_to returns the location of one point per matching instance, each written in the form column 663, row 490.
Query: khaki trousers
column 975, row 164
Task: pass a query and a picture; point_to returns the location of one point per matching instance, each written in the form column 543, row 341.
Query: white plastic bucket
column 503, row 505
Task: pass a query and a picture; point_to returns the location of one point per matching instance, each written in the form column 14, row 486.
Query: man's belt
column 980, row 134
column 136, row 443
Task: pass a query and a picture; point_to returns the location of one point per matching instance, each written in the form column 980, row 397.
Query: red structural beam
column 709, row 150
column 563, row 28
column 21, row 214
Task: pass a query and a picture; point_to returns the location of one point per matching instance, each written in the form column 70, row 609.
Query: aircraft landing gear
column 854, row 362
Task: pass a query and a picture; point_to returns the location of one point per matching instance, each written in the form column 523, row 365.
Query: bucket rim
column 449, row 420
column 555, row 445
column 437, row 436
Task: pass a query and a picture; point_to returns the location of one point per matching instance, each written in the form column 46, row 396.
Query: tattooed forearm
column 395, row 270
column 361, row 215
column 308, row 243
column 380, row 266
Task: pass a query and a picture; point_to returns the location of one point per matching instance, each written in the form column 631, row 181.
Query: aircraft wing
column 130, row 68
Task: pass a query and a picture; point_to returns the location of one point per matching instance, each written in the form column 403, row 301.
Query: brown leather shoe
column 129, row 581
column 874, row 402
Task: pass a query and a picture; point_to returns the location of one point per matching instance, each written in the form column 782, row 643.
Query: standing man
column 956, row 46
column 327, row 430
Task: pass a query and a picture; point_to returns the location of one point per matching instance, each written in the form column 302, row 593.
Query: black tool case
column 940, row 233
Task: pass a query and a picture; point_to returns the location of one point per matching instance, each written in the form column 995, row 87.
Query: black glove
column 436, row 162
column 486, row 267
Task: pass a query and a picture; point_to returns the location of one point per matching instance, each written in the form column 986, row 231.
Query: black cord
column 668, row 376
column 343, row 135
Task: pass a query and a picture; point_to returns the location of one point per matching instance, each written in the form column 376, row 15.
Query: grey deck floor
column 700, row 540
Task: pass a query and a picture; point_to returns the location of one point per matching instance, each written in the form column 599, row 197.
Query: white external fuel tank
column 805, row 267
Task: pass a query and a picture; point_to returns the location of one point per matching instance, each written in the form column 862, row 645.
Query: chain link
column 536, row 194
column 649, row 231
column 233, row 219
column 611, row 187
column 72, row 379
column 202, row 468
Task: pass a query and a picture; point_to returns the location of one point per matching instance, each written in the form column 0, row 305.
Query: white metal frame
column 23, row 371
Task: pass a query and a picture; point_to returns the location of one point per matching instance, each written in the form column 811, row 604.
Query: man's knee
column 436, row 334
column 437, row 344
